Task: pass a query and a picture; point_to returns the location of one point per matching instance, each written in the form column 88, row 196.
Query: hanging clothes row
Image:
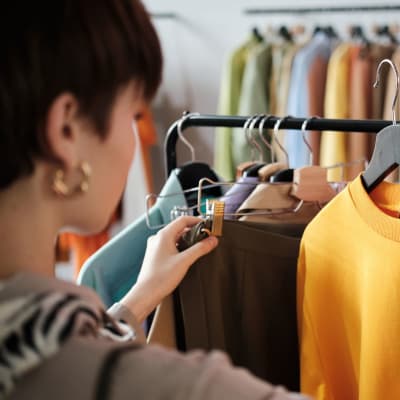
column 241, row 298
column 323, row 76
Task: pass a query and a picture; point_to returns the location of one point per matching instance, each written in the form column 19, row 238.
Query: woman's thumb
column 200, row 249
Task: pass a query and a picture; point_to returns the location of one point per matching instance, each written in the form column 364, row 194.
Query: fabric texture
column 36, row 324
column 348, row 279
column 113, row 270
column 241, row 298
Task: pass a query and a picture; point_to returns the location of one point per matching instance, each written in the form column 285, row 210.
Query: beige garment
column 140, row 372
column 162, row 330
column 273, row 203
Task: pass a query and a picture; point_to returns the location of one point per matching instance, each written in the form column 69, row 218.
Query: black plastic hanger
column 252, row 171
column 285, row 175
column 285, row 34
column 386, row 154
column 357, row 33
column 257, row 35
column 384, row 30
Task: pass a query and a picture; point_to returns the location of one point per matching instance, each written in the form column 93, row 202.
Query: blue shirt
column 320, row 46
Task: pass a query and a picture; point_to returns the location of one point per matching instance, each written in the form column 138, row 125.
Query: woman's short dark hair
column 90, row 48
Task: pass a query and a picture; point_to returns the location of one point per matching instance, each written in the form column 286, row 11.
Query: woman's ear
column 62, row 130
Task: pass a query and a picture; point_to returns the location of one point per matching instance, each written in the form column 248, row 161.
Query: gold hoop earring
column 60, row 187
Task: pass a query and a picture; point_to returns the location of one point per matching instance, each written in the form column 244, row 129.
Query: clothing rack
column 313, row 10
column 316, row 124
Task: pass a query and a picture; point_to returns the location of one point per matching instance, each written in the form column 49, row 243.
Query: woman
column 73, row 77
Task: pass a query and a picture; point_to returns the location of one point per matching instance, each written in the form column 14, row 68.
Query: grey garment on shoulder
column 156, row 373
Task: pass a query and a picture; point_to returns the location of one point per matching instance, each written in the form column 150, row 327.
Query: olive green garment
column 254, row 99
column 228, row 105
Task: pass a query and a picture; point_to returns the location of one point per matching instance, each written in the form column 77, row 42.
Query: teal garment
column 231, row 84
column 114, row 268
column 254, row 99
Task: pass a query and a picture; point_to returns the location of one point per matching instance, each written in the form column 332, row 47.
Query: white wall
column 196, row 43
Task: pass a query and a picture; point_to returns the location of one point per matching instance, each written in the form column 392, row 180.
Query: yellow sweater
column 349, row 297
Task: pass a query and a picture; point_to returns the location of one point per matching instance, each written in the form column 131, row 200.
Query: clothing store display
column 283, row 95
column 347, row 291
column 279, row 52
column 360, row 106
column 107, row 368
column 333, row 144
column 229, row 104
column 254, row 99
column 241, row 298
column 113, row 269
column 312, row 56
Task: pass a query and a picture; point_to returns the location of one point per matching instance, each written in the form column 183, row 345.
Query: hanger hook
column 180, row 134
column 275, row 130
column 246, row 128
column 252, row 139
column 396, row 73
column 261, row 131
column 303, row 134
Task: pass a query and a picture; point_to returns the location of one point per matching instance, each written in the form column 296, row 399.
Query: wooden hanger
column 310, row 183
column 386, row 154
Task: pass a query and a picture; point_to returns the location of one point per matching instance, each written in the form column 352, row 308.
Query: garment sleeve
column 119, row 311
column 157, row 373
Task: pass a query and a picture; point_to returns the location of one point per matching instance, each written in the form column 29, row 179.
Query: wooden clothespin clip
column 215, row 212
column 310, row 184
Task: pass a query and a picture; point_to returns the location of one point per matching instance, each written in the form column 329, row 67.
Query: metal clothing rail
column 312, row 10
column 317, row 124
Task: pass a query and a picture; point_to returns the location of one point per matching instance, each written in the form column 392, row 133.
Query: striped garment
column 33, row 327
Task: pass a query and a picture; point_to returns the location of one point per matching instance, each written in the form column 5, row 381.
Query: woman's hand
column 164, row 266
